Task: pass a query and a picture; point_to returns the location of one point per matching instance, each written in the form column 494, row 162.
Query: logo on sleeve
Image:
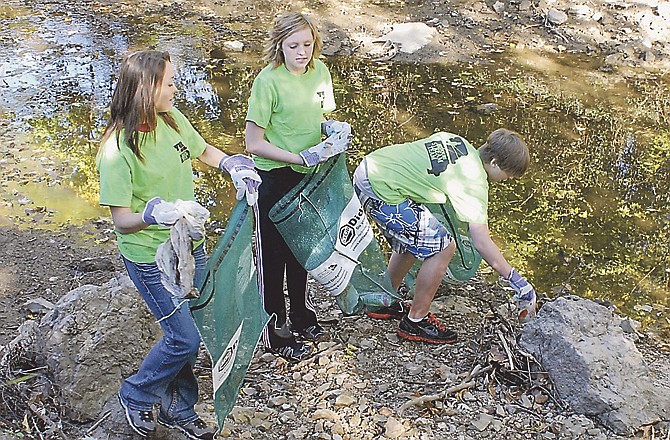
column 184, row 154
column 442, row 155
column 322, row 97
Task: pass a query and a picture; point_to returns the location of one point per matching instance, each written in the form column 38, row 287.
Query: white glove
column 159, row 212
column 245, row 178
column 337, row 142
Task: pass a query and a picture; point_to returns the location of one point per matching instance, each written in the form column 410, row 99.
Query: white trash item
column 175, row 257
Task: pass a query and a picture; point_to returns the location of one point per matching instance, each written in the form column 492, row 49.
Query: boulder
column 595, row 367
column 235, row 46
column 95, row 337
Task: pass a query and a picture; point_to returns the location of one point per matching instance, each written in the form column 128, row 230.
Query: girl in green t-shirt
column 144, row 163
column 288, row 100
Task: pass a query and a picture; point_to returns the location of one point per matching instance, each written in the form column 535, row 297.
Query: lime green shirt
column 431, row 170
column 290, row 108
column 166, row 172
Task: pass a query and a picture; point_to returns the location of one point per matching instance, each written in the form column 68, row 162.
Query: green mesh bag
column 466, row 260
column 324, row 225
column 229, row 312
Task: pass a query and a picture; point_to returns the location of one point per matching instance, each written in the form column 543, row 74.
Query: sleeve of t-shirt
column 261, row 102
column 194, row 142
column 115, row 176
column 329, row 101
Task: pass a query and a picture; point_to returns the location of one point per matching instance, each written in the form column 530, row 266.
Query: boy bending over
column 394, row 182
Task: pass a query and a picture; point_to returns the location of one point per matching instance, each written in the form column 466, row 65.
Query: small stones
column 339, row 395
column 277, row 401
column 393, row 428
column 482, row 422
column 345, row 400
column 326, row 414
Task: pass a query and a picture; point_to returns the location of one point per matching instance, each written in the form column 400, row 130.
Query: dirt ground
column 612, row 34
column 625, row 36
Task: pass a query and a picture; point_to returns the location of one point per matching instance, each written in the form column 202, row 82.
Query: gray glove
column 525, row 296
column 245, row 178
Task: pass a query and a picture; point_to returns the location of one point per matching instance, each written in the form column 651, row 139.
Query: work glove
column 331, row 126
column 159, row 212
column 338, row 140
column 525, row 297
column 245, row 178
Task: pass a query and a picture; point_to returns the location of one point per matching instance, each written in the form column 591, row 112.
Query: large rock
column 596, row 369
column 95, row 337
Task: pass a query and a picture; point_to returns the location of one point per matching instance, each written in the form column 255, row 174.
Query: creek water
column 590, row 217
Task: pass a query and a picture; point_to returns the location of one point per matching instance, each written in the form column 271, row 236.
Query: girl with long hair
column 144, row 163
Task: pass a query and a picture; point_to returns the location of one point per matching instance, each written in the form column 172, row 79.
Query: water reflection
column 590, row 217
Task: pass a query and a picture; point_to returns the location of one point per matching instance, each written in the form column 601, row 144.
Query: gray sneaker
column 294, row 351
column 196, row 429
column 141, row 421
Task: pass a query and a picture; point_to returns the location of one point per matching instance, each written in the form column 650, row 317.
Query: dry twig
column 431, row 398
column 465, row 384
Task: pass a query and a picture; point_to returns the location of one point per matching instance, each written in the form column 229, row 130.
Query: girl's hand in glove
column 245, row 178
column 159, row 212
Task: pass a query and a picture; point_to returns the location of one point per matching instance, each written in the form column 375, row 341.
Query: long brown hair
column 283, row 27
column 134, row 99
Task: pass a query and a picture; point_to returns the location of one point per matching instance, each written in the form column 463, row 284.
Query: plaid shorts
column 408, row 227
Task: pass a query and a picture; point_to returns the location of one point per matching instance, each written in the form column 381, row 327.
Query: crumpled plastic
column 165, row 213
column 175, row 257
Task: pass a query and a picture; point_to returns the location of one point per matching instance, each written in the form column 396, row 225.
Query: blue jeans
column 166, row 374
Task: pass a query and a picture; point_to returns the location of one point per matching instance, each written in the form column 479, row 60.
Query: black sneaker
column 429, row 329
column 312, row 332
column 294, row 351
column 395, row 311
column 197, row 429
column 283, row 342
column 141, row 421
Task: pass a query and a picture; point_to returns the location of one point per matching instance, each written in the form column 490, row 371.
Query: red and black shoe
column 429, row 330
column 395, row 311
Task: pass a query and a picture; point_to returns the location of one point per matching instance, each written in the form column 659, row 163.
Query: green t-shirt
column 290, row 108
column 166, row 172
column 431, row 170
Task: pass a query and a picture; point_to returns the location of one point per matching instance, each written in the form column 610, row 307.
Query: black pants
column 278, row 259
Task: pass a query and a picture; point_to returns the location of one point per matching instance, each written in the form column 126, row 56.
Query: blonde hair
column 509, row 151
column 283, row 27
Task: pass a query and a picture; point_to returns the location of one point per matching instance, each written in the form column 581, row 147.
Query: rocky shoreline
column 362, row 383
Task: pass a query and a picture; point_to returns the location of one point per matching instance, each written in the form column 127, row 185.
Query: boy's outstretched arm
column 525, row 296
column 481, row 238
